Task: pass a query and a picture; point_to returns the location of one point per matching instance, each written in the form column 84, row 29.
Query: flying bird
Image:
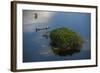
column 35, row 15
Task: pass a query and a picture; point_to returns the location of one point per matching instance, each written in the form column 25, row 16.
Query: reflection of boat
column 44, row 31
column 46, row 35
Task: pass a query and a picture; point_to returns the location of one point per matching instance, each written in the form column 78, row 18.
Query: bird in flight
column 35, row 15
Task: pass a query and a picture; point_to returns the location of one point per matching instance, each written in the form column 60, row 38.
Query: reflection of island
column 65, row 52
column 64, row 41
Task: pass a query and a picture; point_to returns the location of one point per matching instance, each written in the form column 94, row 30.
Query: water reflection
column 65, row 52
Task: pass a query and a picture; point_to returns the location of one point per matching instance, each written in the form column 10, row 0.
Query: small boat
column 38, row 29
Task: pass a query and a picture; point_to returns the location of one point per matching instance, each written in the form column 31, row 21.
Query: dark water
column 36, row 47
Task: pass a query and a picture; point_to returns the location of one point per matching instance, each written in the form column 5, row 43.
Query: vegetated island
column 65, row 41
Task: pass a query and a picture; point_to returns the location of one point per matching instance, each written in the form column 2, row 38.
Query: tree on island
column 65, row 41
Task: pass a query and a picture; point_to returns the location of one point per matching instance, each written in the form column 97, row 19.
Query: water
column 36, row 47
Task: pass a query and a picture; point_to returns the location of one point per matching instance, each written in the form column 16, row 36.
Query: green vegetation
column 64, row 41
